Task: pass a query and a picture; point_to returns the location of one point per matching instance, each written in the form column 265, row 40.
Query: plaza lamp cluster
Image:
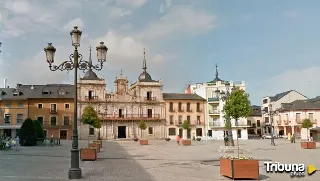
column 76, row 62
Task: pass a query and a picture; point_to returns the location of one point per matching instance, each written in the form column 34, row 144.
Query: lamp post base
column 75, row 173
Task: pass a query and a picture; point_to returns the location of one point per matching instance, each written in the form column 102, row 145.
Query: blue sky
column 272, row 45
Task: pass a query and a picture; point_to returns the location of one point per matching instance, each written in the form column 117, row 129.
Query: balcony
column 286, row 122
column 180, row 110
column 91, row 98
column 213, row 100
column 242, row 123
column 214, row 112
column 215, row 124
column 53, row 111
column 279, row 122
column 171, row 122
column 150, row 99
column 189, row 110
column 133, row 117
column 298, row 120
column 196, row 122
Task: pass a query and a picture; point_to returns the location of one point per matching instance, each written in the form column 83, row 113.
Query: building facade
column 51, row 104
column 290, row 117
column 274, row 102
column 214, row 92
column 122, row 110
column 255, row 122
column 184, row 107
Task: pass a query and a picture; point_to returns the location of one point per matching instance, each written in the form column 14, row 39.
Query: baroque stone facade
column 122, row 110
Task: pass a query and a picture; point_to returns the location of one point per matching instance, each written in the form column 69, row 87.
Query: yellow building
column 51, row 104
column 181, row 107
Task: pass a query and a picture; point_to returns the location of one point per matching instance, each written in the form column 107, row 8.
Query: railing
column 298, row 120
column 189, row 110
column 53, row 111
column 199, row 110
column 171, row 122
column 215, row 124
column 213, row 99
column 150, row 98
column 214, row 111
column 180, row 110
column 196, row 122
column 91, row 98
column 172, row 110
column 286, row 122
column 129, row 116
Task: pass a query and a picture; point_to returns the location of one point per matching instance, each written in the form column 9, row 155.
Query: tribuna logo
column 295, row 170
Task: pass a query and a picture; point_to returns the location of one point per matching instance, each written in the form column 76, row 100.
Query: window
column 198, row 107
column 8, row 104
column 258, row 123
column 171, row 106
column 53, row 121
column 149, row 113
column 180, row 119
column 265, row 101
column 188, row 107
column 188, row 118
column 248, row 122
column 172, row 131
column 61, row 92
column 20, row 104
column 149, row 95
column 266, row 119
column 15, row 94
column 310, row 115
column 266, row 109
column 198, row 120
column 40, row 119
column 298, row 116
column 90, row 95
column 40, row 106
column 67, row 106
column 150, row 130
column 171, row 119
column 66, row 120
column 45, row 92
column 19, row 118
column 180, row 106
column 225, row 133
column 7, row 118
column 91, row 131
column 239, row 133
column 53, row 108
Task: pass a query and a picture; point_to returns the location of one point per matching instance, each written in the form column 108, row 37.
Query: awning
column 10, row 126
column 315, row 129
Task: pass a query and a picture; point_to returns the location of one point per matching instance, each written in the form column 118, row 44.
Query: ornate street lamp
column 270, row 114
column 75, row 62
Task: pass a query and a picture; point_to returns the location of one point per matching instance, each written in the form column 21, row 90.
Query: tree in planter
column 306, row 123
column 39, row 130
column 237, row 106
column 28, row 134
column 186, row 126
column 91, row 118
column 142, row 126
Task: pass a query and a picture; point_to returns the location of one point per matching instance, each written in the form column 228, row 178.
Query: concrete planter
column 96, row 146
column 186, row 142
column 88, row 154
column 309, row 145
column 239, row 169
column 98, row 141
column 144, row 142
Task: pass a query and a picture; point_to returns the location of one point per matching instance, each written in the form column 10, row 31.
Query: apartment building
column 184, row 107
column 290, row 116
column 255, row 121
column 215, row 92
column 274, row 102
column 51, row 104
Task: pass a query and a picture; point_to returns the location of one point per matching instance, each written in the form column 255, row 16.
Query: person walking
column 226, row 139
column 178, row 139
column 17, row 143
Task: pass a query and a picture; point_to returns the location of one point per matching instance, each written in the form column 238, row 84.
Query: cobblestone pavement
column 161, row 160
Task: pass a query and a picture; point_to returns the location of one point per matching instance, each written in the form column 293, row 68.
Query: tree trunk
column 230, row 137
column 236, row 123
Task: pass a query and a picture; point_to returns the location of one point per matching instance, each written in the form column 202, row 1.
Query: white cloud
column 117, row 12
column 290, row 14
column 168, row 3
column 180, row 19
column 18, row 6
column 131, row 3
column 158, row 58
column 75, row 22
column 161, row 9
column 304, row 80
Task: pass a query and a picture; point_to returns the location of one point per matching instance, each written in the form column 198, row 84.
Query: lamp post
column 270, row 113
column 75, row 62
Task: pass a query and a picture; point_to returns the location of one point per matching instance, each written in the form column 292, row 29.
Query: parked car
column 268, row 136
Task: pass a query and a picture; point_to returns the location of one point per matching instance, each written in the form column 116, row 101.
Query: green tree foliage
column 142, row 126
column 306, row 123
column 28, row 134
column 186, row 125
column 90, row 117
column 39, row 130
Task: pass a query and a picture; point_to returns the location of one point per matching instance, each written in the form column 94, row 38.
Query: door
column 149, row 113
column 120, row 113
column 63, row 134
column 199, row 131
column 7, row 132
column 45, row 133
column 259, row 132
column 122, row 132
column 189, row 133
column 181, row 132
column 210, row 133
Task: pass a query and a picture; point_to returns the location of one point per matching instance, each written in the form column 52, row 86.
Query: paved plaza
column 161, row 160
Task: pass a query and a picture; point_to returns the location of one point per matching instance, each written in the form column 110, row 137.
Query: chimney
column 5, row 83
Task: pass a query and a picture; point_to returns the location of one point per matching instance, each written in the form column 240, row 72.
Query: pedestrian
column 17, row 143
column 178, row 139
column 226, row 139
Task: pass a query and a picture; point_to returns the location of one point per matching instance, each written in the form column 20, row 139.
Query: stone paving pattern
column 161, row 160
